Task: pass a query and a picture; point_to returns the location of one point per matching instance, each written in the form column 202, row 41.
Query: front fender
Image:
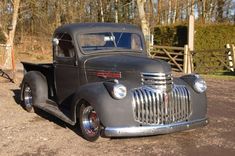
column 111, row 112
column 198, row 100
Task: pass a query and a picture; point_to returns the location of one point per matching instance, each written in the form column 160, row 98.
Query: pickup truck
column 102, row 81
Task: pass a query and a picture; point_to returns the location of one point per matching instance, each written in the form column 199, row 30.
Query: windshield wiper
column 119, row 38
column 114, row 41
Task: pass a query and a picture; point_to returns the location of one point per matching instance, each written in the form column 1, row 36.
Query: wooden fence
column 2, row 54
column 6, row 73
column 214, row 60
column 206, row 61
column 178, row 57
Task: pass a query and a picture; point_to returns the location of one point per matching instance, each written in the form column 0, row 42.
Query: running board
column 52, row 108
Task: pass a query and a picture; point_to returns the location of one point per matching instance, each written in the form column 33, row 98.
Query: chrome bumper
column 152, row 130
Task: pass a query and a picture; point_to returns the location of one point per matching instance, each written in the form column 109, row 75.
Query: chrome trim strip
column 152, row 130
column 161, row 81
column 156, row 74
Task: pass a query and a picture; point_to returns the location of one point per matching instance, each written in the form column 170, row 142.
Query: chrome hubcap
column 90, row 121
column 28, row 98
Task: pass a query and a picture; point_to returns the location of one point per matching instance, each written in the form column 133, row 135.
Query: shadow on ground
column 45, row 115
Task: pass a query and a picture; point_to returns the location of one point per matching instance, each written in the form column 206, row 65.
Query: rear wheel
column 89, row 123
column 34, row 90
column 28, row 98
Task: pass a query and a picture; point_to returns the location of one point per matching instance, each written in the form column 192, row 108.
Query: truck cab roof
column 96, row 27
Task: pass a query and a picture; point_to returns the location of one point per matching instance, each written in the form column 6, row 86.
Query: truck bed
column 47, row 69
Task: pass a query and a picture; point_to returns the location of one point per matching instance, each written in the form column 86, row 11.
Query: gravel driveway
column 39, row 133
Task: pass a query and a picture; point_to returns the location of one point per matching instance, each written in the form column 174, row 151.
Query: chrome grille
column 157, row 107
column 157, row 80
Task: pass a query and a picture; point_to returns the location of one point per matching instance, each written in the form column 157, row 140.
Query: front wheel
column 89, row 123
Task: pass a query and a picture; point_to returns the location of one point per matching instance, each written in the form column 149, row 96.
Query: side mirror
column 55, row 41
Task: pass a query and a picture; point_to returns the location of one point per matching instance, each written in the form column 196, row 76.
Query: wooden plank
column 167, row 58
column 162, row 57
column 191, row 33
column 221, row 62
column 233, row 55
column 173, row 60
column 172, row 53
column 174, row 64
column 210, row 51
column 185, row 59
column 168, row 47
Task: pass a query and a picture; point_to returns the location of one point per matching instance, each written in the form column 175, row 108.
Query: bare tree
column 9, row 63
column 144, row 22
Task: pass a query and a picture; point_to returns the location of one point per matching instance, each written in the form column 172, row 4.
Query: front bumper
column 152, row 130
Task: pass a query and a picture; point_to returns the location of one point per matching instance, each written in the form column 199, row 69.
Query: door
column 66, row 71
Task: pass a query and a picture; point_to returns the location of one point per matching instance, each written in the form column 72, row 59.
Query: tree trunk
column 220, row 11
column 159, row 10
column 116, row 11
column 175, row 13
column 9, row 62
column 57, row 14
column 169, row 12
column 192, row 7
column 101, row 10
column 144, row 22
column 204, row 11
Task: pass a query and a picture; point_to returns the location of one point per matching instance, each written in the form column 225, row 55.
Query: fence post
column 190, row 62
column 233, row 55
column 185, row 59
column 230, row 59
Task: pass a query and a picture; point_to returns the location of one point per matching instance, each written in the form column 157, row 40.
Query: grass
column 220, row 76
column 38, row 57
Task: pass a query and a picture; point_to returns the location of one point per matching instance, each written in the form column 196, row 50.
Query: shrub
column 206, row 37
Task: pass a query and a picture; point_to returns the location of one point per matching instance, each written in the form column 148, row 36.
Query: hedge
column 206, row 37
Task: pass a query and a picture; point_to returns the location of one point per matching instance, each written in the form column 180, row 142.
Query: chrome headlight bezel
column 199, row 85
column 119, row 91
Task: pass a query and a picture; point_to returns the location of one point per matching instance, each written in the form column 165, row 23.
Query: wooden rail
column 215, row 60
column 177, row 57
column 203, row 61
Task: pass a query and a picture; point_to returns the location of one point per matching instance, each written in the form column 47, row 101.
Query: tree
column 144, row 22
column 9, row 62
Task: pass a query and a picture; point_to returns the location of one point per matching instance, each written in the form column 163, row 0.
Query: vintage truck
column 102, row 81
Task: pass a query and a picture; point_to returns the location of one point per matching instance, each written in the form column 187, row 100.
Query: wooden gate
column 214, row 60
column 206, row 61
column 177, row 57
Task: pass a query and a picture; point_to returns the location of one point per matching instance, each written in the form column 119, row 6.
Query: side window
column 65, row 46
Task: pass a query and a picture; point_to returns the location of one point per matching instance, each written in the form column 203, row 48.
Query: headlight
column 200, row 85
column 119, row 91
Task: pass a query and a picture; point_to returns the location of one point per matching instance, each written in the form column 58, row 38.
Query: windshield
column 110, row 41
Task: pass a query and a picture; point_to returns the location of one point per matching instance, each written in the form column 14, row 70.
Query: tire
column 34, row 90
column 89, row 123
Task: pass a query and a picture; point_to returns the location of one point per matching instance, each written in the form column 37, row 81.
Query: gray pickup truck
column 102, row 81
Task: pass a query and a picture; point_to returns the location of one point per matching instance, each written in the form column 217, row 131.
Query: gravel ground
column 33, row 134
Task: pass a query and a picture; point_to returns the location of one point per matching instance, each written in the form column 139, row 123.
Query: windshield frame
column 115, row 49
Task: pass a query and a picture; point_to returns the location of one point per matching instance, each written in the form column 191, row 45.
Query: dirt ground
column 33, row 134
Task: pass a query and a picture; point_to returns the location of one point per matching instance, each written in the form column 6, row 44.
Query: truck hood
column 129, row 63
column 128, row 66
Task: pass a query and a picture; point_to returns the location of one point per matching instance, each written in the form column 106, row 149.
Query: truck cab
column 102, row 79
